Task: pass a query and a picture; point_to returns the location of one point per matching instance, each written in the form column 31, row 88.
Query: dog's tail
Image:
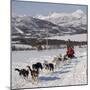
column 16, row 69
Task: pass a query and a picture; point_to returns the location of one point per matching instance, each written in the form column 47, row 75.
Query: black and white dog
column 22, row 72
column 49, row 66
column 38, row 66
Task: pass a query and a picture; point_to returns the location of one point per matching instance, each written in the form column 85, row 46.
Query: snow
column 75, row 37
column 20, row 31
column 21, row 46
column 75, row 18
column 78, row 13
column 72, row 72
column 78, row 75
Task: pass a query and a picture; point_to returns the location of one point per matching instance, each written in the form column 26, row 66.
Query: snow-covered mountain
column 23, row 28
column 75, row 19
column 33, row 26
column 54, row 23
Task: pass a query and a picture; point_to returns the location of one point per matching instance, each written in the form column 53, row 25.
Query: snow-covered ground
column 72, row 72
column 21, row 46
column 76, row 37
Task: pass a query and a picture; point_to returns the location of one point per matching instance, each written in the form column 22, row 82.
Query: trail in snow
column 72, row 72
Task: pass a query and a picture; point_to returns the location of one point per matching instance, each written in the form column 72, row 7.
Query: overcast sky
column 37, row 8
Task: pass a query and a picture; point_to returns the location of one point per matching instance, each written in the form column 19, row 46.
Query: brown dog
column 34, row 73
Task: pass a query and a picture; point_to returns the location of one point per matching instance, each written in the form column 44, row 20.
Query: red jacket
column 70, row 52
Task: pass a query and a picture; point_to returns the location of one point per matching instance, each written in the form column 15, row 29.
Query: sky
column 39, row 8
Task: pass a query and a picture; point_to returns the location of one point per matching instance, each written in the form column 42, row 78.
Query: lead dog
column 22, row 72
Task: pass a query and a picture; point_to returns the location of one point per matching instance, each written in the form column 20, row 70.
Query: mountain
column 27, row 24
column 54, row 24
column 76, row 19
column 30, row 30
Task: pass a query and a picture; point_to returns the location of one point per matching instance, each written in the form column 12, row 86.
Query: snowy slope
column 74, row 19
column 28, row 24
column 76, row 37
column 72, row 72
column 54, row 23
